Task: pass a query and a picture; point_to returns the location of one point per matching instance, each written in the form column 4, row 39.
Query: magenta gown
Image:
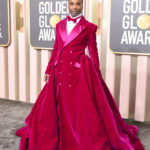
column 75, row 110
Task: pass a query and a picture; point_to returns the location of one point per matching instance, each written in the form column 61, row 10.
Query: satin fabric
column 75, row 110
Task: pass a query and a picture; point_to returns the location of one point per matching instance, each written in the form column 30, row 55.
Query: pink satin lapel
column 80, row 26
column 62, row 30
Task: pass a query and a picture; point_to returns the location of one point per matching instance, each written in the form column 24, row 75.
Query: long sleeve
column 92, row 47
column 53, row 55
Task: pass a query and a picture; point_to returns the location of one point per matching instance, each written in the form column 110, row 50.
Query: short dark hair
column 82, row 1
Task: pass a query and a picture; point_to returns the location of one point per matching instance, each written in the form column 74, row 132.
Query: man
column 75, row 110
column 75, row 11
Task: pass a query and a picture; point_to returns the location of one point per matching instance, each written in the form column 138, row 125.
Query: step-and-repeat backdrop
column 43, row 18
column 4, row 23
column 130, row 25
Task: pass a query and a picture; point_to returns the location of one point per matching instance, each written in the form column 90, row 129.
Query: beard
column 75, row 13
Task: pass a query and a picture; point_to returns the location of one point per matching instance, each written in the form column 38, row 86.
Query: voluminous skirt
column 77, row 114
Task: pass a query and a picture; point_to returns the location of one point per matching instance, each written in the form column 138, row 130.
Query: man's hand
column 46, row 76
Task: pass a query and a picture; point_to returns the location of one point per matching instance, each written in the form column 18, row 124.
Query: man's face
column 75, row 7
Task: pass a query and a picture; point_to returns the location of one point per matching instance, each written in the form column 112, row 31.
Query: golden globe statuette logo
column 143, row 21
column 54, row 20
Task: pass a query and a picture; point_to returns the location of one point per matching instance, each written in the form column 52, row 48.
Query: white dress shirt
column 71, row 24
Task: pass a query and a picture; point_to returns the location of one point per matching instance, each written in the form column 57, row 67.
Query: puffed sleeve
column 92, row 47
column 53, row 54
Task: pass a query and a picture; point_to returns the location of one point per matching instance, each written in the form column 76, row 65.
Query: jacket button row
column 68, row 85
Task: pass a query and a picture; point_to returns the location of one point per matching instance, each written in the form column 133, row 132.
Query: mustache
column 75, row 10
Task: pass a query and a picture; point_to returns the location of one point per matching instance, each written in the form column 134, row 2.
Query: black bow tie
column 71, row 19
